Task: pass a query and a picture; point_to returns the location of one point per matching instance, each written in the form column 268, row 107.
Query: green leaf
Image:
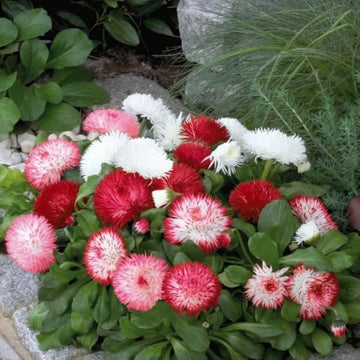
column 340, row 261
column 299, row 351
column 57, row 338
column 225, row 281
column 120, row 29
column 264, row 248
column 88, row 340
column 259, row 329
column 231, row 308
column 152, row 318
column 307, row 327
column 331, row 241
column 153, row 352
column 116, row 310
column 212, row 181
column 84, row 93
column 59, row 117
column 86, row 297
column 88, row 221
column 111, row 3
column 182, row 352
column 50, row 92
column 286, row 340
column 277, row 220
column 131, row 331
column 247, row 228
column 310, row 257
column 33, row 55
column 290, row 189
column 14, row 7
column 290, row 311
column 321, row 341
column 6, row 81
column 52, row 322
column 63, row 274
column 180, row 257
column 215, row 261
column 158, row 26
column 353, row 309
column 237, row 274
column 70, row 74
column 70, row 47
column 350, row 287
column 82, row 323
column 32, row 23
column 136, row 2
column 102, row 310
column 8, row 32
column 9, row 115
column 37, row 315
column 150, row 7
column 72, row 19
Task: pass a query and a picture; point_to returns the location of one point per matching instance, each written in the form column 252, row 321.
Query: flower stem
column 267, row 167
column 243, row 249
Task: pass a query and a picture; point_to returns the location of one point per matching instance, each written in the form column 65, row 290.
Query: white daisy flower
column 303, row 167
column 105, row 149
column 235, row 129
column 307, row 233
column 274, row 144
column 167, row 133
column 161, row 197
column 145, row 157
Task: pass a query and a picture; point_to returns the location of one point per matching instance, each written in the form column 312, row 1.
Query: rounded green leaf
column 82, row 323
column 264, row 248
column 158, row 26
column 8, row 32
column 231, row 308
column 259, row 329
column 70, row 47
column 7, row 81
column 331, row 241
column 136, row 2
column 59, row 117
column 299, row 351
column 50, row 92
column 69, row 75
column 32, row 23
column 290, row 311
column 237, row 274
column 13, row 7
column 307, row 327
column 322, row 342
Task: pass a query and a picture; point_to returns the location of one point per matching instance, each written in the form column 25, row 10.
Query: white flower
column 307, row 233
column 235, row 129
column 161, row 197
column 303, row 167
column 274, row 144
column 105, row 149
column 144, row 156
column 226, row 157
column 167, row 133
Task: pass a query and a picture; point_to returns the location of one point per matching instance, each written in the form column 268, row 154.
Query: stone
column 18, row 288
column 343, row 352
column 7, row 352
column 13, row 139
column 100, row 355
column 20, row 167
column 15, row 158
column 5, row 155
column 26, row 142
column 28, row 338
column 5, row 143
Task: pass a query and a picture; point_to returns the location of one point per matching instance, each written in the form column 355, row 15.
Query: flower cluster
column 193, row 216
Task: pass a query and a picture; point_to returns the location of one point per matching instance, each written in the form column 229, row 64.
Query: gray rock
column 7, row 352
column 100, row 355
column 26, row 142
column 28, row 338
column 343, row 352
column 18, row 288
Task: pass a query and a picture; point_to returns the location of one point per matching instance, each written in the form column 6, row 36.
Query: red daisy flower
column 142, row 226
column 105, row 120
column 103, row 252
column 267, row 288
column 338, row 328
column 311, row 208
column 199, row 218
column 120, row 197
column 56, row 203
column 30, row 243
column 192, row 287
column 313, row 290
column 138, row 281
column 250, row 197
column 193, row 154
column 204, row 130
column 47, row 161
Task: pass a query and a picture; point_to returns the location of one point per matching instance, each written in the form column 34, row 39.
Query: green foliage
column 30, row 89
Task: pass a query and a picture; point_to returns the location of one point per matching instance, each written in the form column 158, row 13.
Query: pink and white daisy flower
column 30, row 243
column 103, row 121
column 142, row 226
column 199, row 218
column 138, row 281
column 338, row 327
column 191, row 287
column 103, row 252
column 47, row 161
column 267, row 288
column 311, row 208
column 313, row 291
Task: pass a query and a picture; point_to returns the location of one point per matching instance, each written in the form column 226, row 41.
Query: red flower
column 338, row 328
column 249, row 198
column 194, row 155
column 120, row 197
column 56, row 203
column 204, row 130
column 142, row 226
column 192, row 287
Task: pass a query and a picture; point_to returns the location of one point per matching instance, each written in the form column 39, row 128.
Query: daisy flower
column 191, row 287
column 30, row 243
column 204, row 130
column 56, row 203
column 338, row 327
column 273, row 144
column 120, row 197
column 103, row 252
column 138, row 281
column 313, row 291
column 142, row 226
column 311, row 208
column 235, row 129
column 105, row 149
column 226, row 157
column 193, row 154
column 307, row 233
column 266, row 288
column 250, row 197
column 103, row 121
column 47, row 161
column 199, row 218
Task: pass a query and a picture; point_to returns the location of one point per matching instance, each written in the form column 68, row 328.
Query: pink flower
column 142, row 226
column 204, row 130
column 30, row 242
column 138, row 281
column 106, row 120
column 266, row 288
column 313, row 290
column 56, row 203
column 311, row 208
column 200, row 218
column 250, row 197
column 103, row 252
column 192, row 287
column 193, row 154
column 338, row 328
column 120, row 197
column 47, row 162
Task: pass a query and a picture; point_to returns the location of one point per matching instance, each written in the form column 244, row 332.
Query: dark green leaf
column 37, row 315
column 215, row 261
column 299, row 351
column 237, row 274
column 231, row 308
column 182, row 352
column 82, row 323
column 350, row 287
column 353, row 309
column 153, row 352
column 131, row 331
column 321, row 341
column 225, row 281
column 116, row 342
column 62, row 274
column 88, row 221
column 340, row 261
column 286, row 340
column 288, row 190
column 88, row 340
column 102, row 309
column 111, row 3
column 32, row 23
column 307, row 327
column 264, row 248
column 70, row 47
column 247, row 228
column 331, row 241
column 52, row 322
column 150, row 7
column 290, row 311
column 72, row 19
column 180, row 257
column 50, row 92
column 158, row 26
column 9, row 115
column 6, row 81
column 57, row 338
column 14, row 7
column 116, row 310
column 136, row 2
column 71, row 74
column 59, row 117
column 86, row 297
column 259, row 329
column 8, row 32
column 152, row 318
